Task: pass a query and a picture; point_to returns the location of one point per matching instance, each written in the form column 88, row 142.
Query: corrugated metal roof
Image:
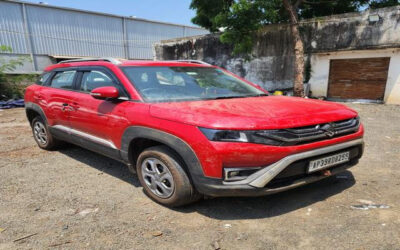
column 70, row 32
column 12, row 27
column 98, row 13
column 65, row 32
column 142, row 35
column 194, row 32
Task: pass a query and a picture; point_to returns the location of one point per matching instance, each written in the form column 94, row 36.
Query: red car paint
column 109, row 120
column 271, row 112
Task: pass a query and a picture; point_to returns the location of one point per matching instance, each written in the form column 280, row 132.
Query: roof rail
column 193, row 61
column 106, row 59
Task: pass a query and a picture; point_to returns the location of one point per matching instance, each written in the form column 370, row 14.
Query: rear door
column 38, row 97
column 97, row 120
column 56, row 98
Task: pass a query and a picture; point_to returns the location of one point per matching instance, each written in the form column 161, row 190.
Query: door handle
column 75, row 105
column 38, row 97
column 71, row 107
column 64, row 106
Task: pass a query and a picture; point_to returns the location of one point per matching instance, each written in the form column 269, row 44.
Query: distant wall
column 271, row 65
column 41, row 61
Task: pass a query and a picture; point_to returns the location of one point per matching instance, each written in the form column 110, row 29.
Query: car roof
column 123, row 62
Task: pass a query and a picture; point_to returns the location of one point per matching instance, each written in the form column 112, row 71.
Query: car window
column 43, row 78
column 95, row 79
column 165, row 84
column 63, row 80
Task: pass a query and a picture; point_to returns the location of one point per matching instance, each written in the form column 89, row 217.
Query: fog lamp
column 237, row 174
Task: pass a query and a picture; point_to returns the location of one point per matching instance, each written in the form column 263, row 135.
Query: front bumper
column 257, row 183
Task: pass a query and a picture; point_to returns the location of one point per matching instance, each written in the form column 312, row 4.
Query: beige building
column 357, row 75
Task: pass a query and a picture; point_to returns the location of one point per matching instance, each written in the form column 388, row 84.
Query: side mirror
column 103, row 93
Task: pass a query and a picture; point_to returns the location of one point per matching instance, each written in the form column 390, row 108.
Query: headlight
column 224, row 135
column 238, row 136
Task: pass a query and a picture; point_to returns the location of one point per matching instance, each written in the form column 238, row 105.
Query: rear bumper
column 257, row 183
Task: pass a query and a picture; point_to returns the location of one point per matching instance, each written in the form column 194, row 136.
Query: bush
column 13, row 86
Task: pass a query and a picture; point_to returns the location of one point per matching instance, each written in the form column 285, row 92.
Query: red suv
column 190, row 129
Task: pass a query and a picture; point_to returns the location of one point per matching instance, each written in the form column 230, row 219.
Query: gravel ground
column 73, row 199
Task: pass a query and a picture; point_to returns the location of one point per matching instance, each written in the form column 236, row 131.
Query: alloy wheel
column 40, row 133
column 157, row 177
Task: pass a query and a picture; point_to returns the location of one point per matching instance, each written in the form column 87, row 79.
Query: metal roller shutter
column 363, row 78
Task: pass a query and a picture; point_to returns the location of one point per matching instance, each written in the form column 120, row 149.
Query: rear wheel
column 163, row 178
column 42, row 135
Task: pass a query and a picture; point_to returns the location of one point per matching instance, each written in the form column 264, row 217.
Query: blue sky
column 173, row 11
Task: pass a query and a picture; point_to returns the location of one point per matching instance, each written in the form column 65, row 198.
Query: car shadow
column 237, row 208
column 101, row 163
column 229, row 208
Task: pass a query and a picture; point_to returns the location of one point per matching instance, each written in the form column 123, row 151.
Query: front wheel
column 163, row 177
column 42, row 135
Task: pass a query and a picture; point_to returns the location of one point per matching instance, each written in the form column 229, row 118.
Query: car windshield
column 169, row 84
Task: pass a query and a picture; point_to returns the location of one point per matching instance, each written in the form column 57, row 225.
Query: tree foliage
column 383, row 3
column 207, row 12
column 10, row 86
column 9, row 65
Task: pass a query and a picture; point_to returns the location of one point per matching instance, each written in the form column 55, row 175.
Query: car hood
column 270, row 112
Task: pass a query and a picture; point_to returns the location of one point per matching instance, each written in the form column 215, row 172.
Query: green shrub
column 13, row 86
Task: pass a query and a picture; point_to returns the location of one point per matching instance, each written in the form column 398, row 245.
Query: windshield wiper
column 239, row 96
column 227, row 97
column 264, row 94
column 235, row 96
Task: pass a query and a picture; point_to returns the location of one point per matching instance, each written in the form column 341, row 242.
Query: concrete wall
column 271, row 65
column 41, row 61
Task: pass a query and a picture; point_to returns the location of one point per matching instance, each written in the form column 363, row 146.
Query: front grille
column 301, row 135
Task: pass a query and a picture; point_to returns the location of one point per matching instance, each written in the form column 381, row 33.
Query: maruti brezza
column 190, row 129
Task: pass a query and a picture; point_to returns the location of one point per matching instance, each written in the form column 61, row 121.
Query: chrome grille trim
column 262, row 177
column 294, row 136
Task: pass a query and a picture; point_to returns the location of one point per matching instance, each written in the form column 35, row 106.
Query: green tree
column 239, row 19
column 9, row 86
column 383, row 3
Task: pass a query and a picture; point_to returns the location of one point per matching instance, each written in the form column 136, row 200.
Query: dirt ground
column 74, row 199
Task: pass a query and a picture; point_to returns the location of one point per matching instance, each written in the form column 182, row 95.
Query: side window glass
column 43, row 78
column 63, row 80
column 95, row 79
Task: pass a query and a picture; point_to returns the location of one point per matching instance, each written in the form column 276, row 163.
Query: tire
column 161, row 173
column 42, row 135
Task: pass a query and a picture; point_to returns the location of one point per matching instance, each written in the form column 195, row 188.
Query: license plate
column 328, row 161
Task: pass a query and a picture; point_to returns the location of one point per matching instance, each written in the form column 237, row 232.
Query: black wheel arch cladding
column 29, row 106
column 178, row 145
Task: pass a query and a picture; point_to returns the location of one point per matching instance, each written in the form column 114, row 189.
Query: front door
column 93, row 119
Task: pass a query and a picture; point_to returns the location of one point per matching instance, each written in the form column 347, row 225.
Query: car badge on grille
column 328, row 129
